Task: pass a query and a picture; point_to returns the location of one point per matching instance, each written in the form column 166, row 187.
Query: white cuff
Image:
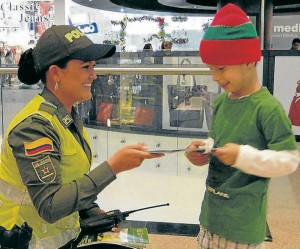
column 266, row 163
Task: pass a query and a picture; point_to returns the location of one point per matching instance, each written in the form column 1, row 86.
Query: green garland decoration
column 161, row 35
column 179, row 18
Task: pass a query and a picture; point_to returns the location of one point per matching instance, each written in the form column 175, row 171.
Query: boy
column 251, row 134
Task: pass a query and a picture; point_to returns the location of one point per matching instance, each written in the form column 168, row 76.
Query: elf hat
column 231, row 39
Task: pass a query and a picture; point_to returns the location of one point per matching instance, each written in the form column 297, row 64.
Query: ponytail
column 26, row 72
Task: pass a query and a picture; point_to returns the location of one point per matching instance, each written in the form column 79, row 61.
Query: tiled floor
column 171, row 242
column 284, row 212
column 136, row 189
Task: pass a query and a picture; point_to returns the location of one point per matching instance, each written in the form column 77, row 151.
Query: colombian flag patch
column 38, row 146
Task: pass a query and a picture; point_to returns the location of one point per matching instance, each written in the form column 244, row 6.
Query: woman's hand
column 196, row 157
column 130, row 156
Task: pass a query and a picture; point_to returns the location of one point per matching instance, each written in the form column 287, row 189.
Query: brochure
column 126, row 238
column 201, row 150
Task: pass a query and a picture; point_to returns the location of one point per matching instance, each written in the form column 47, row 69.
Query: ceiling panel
column 175, row 7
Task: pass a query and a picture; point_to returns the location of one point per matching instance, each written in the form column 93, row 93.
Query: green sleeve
column 278, row 132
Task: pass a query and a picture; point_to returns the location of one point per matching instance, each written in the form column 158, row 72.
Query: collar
column 62, row 114
column 245, row 96
column 229, row 96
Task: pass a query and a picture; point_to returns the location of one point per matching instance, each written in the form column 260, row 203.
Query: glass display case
column 154, row 103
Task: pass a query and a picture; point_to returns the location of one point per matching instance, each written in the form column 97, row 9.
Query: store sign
column 90, row 28
column 32, row 11
column 20, row 16
column 285, row 29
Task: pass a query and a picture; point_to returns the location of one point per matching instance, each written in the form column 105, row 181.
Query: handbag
column 186, row 103
column 143, row 116
column 179, row 93
column 145, row 95
column 191, row 116
column 105, row 111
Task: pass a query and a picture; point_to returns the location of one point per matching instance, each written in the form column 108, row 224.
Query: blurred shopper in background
column 166, row 45
column 295, row 44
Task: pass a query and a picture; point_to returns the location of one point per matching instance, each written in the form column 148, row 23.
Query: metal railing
column 120, row 70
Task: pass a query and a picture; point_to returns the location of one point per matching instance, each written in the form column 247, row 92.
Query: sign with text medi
column 285, row 29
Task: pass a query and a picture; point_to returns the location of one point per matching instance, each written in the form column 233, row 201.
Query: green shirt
column 234, row 204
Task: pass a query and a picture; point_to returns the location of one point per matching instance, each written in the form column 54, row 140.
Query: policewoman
column 46, row 154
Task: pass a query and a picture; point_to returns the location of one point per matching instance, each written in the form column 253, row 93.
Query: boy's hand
column 195, row 157
column 228, row 153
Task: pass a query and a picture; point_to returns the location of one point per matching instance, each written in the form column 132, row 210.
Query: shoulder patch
column 44, row 169
column 48, row 107
column 38, row 146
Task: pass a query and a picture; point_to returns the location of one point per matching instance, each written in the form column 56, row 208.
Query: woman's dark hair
column 27, row 72
column 147, row 46
column 61, row 64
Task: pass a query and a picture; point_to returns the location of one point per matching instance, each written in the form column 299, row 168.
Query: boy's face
column 236, row 79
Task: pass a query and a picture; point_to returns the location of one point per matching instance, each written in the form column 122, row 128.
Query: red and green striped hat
column 231, row 39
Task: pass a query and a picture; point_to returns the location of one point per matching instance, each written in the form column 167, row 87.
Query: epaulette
column 48, row 107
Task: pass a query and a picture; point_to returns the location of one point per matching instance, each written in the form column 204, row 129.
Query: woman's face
column 75, row 82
